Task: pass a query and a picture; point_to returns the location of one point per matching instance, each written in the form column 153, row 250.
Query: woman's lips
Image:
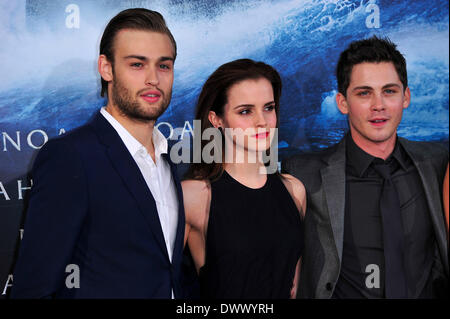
column 261, row 135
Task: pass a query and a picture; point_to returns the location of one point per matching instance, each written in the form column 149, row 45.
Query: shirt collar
column 360, row 161
column 357, row 159
column 400, row 155
column 132, row 144
column 160, row 142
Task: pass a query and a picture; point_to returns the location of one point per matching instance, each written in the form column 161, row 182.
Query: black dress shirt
column 362, row 267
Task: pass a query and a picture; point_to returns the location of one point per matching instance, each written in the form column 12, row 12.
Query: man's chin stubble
column 140, row 116
column 134, row 112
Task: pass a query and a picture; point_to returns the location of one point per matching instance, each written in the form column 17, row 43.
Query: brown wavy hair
column 214, row 97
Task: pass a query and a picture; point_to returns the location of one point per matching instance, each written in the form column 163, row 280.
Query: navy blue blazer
column 90, row 207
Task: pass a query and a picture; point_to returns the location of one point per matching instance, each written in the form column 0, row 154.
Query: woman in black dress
column 243, row 224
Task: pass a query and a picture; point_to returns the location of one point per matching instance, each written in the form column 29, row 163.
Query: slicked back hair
column 135, row 19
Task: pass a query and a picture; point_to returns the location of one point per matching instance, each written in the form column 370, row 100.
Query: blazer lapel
column 333, row 184
column 432, row 191
column 128, row 170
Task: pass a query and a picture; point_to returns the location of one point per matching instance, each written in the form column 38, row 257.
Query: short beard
column 131, row 108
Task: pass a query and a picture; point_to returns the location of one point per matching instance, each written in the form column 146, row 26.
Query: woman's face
column 250, row 115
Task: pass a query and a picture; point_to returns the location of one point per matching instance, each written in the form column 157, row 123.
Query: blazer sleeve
column 57, row 208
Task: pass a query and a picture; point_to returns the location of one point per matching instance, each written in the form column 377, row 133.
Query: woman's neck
column 248, row 174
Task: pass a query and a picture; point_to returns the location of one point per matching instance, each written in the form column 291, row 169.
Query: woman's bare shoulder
column 196, row 197
column 297, row 191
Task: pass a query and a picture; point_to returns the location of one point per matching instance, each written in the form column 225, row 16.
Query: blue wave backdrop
column 49, row 79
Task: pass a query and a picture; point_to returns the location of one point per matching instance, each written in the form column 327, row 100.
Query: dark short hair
column 373, row 49
column 214, row 97
column 136, row 19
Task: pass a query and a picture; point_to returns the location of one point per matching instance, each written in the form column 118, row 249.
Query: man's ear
column 341, row 102
column 105, row 68
column 406, row 98
column 215, row 120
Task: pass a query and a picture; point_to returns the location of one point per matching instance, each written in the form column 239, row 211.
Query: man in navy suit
column 116, row 228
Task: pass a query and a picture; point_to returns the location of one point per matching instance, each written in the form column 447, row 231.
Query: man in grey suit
column 374, row 227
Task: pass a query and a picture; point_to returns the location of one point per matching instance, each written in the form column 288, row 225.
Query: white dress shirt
column 157, row 176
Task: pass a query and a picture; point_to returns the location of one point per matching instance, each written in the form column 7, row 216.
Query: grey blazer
column 323, row 174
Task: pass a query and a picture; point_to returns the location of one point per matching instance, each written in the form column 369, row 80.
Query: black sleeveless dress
column 254, row 240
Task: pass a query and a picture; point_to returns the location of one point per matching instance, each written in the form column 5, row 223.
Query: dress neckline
column 227, row 175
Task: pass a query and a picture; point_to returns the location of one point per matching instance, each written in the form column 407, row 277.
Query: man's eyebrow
column 144, row 58
column 391, row 85
column 363, row 87
column 370, row 88
column 139, row 57
column 166, row 58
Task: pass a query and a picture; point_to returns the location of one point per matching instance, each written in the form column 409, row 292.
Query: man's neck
column 141, row 131
column 377, row 149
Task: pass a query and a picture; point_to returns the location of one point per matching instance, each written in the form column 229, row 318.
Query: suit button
column 329, row 286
